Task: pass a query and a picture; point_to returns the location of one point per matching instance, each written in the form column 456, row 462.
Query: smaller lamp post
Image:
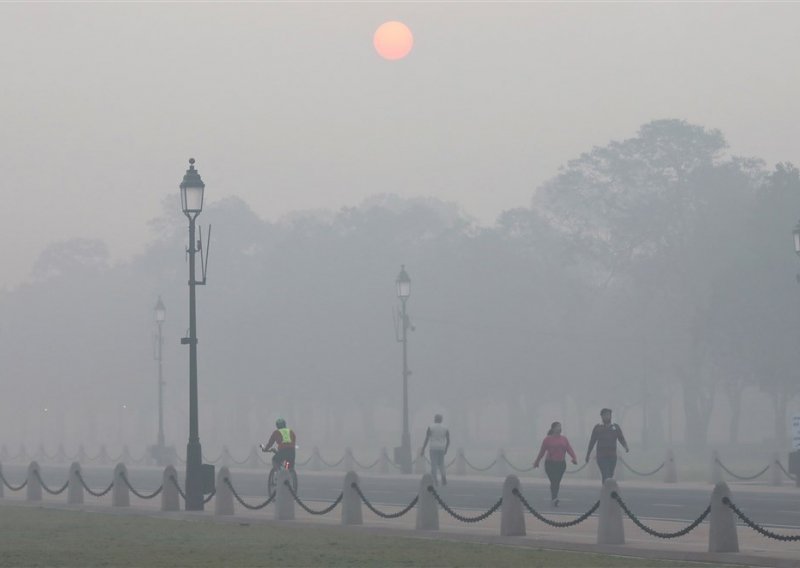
column 161, row 316
column 403, row 453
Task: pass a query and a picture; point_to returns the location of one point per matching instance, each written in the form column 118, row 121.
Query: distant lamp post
column 402, row 454
column 160, row 450
column 197, row 475
column 796, row 235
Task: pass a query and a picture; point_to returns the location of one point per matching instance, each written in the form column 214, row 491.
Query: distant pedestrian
column 439, row 437
column 606, row 435
column 556, row 446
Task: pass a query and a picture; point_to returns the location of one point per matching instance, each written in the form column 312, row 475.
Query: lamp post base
column 402, row 457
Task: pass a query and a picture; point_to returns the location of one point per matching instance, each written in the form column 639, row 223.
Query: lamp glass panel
column 192, row 199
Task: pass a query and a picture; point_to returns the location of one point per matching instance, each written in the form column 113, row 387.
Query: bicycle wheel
column 293, row 475
column 271, row 481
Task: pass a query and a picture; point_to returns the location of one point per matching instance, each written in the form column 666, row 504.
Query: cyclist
column 284, row 440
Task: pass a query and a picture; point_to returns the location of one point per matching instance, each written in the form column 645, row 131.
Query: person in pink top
column 556, row 446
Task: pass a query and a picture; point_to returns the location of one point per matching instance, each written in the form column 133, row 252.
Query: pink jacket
column 556, row 447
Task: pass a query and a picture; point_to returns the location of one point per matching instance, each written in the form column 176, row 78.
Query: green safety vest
column 286, row 434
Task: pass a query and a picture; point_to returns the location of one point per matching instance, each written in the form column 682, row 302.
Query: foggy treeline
column 655, row 275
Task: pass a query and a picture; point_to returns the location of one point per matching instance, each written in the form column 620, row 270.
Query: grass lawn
column 53, row 537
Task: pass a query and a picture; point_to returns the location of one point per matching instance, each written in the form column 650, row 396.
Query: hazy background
column 655, row 274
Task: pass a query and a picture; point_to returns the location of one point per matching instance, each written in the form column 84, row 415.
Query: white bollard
column 351, row 502
column 716, row 468
column 349, row 462
column 420, row 464
column 461, row 462
column 609, row 523
column 223, row 498
column 34, row 487
column 74, row 487
column 427, row 507
column 501, row 464
column 120, row 494
column 383, row 464
column 316, row 460
column 670, row 470
column 226, row 457
column 169, row 494
column 512, row 517
column 284, row 502
column 775, row 477
column 722, row 535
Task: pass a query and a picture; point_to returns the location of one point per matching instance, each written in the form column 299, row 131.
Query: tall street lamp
column 402, row 455
column 192, row 188
column 160, row 315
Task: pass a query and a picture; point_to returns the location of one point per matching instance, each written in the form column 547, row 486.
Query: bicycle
column 272, row 479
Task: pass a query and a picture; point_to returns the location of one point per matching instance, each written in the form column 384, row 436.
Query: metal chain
column 329, row 464
column 359, row 464
column 177, row 486
column 213, row 461
column 462, row 518
column 452, row 461
column 684, row 531
column 515, row 468
column 786, row 473
column 140, row 495
column 487, row 468
column 578, row 469
column 558, row 524
column 210, row 496
column 758, row 528
column 101, row 493
column 11, row 487
column 742, row 477
column 244, row 504
column 46, row 488
column 643, row 474
column 237, row 462
column 381, row 513
column 305, row 507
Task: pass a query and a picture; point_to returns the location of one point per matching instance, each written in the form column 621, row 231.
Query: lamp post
column 192, row 188
column 403, row 453
column 160, row 315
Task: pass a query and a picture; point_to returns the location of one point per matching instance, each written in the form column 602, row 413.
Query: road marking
column 666, row 505
column 789, row 512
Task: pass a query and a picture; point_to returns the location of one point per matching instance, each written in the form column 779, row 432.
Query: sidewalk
column 755, row 549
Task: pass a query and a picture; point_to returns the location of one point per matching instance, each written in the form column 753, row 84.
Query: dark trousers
column 437, row 462
column 607, row 465
column 286, row 454
column 555, row 471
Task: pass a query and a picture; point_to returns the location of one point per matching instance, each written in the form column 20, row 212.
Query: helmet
column 280, row 423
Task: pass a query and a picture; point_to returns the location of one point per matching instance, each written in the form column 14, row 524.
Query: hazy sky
column 288, row 106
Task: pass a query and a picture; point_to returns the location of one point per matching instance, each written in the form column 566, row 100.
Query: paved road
column 775, row 507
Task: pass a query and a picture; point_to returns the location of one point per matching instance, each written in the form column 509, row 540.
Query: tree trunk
column 697, row 406
column 780, row 401
column 735, row 400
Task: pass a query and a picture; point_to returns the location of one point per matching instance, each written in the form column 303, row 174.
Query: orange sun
column 393, row 40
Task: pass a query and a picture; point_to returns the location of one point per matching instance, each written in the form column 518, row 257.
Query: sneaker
column 555, row 502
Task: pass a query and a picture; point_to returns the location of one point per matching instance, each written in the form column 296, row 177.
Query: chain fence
column 88, row 490
column 515, row 468
column 141, row 495
column 46, row 488
column 178, row 487
column 742, row 477
column 487, row 468
column 337, row 464
column 462, row 518
column 642, row 473
column 578, row 469
column 307, row 509
column 381, row 514
column 786, row 473
column 545, row 520
column 244, row 503
column 756, row 527
column 666, row 535
column 11, row 487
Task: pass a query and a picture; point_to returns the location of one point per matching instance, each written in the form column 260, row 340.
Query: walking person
column 439, row 437
column 556, row 447
column 606, row 435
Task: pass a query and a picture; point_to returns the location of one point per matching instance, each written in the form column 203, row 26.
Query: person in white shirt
column 439, row 437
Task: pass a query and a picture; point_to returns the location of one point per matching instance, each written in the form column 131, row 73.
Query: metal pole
column 194, row 460
column 405, row 442
column 160, row 394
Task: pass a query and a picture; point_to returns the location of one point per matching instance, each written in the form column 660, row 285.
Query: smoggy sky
column 288, row 106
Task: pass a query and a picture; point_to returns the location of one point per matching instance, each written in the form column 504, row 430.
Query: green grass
column 54, row 537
